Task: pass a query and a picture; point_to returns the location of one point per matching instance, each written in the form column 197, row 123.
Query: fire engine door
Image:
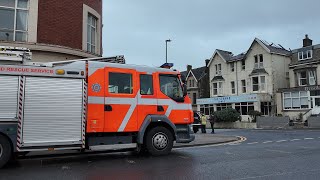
column 121, row 100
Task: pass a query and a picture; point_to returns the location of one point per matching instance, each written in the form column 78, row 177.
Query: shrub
column 254, row 114
column 227, row 115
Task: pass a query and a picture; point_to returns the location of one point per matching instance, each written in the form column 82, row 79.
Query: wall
column 61, row 22
column 272, row 122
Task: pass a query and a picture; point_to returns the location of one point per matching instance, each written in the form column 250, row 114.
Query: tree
column 227, row 115
column 254, row 114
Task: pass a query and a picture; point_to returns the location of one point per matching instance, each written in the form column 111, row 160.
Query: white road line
column 282, row 141
column 275, row 150
column 295, row 140
column 308, row 138
column 253, row 143
column 267, row 142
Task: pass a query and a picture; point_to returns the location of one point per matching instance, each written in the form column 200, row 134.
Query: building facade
column 197, row 81
column 248, row 81
column 303, row 96
column 53, row 30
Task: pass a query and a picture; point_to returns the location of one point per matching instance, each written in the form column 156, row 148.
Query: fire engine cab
column 89, row 104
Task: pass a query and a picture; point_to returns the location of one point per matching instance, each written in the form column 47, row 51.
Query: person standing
column 212, row 120
column 203, row 123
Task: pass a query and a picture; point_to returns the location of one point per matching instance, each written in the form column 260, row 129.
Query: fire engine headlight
column 60, row 72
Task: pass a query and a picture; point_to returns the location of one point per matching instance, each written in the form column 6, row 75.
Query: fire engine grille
column 52, row 111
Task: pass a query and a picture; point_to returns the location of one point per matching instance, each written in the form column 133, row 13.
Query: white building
column 248, row 81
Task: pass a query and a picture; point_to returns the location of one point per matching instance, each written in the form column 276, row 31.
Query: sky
column 138, row 29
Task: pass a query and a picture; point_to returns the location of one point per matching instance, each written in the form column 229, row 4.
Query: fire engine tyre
column 5, row 151
column 159, row 141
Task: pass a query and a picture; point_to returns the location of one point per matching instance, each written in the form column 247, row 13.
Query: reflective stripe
column 172, row 105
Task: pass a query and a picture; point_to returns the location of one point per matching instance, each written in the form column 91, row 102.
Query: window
column 207, row 109
column 218, row 88
column 307, row 78
column 243, row 65
column 265, row 108
column 244, row 86
column 233, row 88
column 223, row 106
column 146, row 84
column 120, row 83
column 259, row 83
column 194, row 98
column 244, row 107
column 295, row 100
column 14, row 20
column 91, row 33
column 302, row 76
column 258, row 61
column 193, row 83
column 304, row 55
column 171, row 86
column 232, row 67
column 218, row 69
column 255, row 83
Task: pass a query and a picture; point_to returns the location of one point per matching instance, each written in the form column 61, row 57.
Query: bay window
column 307, row 77
column 218, row 88
column 258, row 83
column 244, row 108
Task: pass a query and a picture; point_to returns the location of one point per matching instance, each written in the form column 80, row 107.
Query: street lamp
column 168, row 40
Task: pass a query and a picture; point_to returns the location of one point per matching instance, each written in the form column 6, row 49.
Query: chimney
column 189, row 67
column 307, row 41
column 207, row 62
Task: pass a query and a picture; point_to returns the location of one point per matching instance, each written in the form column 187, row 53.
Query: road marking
column 295, row 140
column 253, row 143
column 274, row 150
column 308, row 138
column 267, row 142
column 282, row 141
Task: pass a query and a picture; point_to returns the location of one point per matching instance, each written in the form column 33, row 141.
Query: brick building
column 51, row 29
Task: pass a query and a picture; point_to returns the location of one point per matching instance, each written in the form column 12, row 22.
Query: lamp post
column 168, row 40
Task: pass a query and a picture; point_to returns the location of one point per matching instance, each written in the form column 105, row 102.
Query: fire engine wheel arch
column 5, row 150
column 159, row 141
column 152, row 121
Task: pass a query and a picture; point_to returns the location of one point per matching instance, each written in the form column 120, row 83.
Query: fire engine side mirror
column 185, row 90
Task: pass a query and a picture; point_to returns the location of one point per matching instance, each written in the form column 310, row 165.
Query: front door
column 316, row 105
column 121, row 100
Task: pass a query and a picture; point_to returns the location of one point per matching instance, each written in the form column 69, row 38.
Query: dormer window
column 304, row 55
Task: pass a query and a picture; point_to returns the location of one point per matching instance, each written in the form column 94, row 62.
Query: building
column 197, row 81
column 53, row 30
column 248, row 81
column 303, row 96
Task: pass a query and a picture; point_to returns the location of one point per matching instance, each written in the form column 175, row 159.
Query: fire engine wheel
column 5, row 151
column 159, row 141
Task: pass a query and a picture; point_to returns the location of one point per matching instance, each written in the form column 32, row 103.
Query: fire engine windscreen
column 171, row 86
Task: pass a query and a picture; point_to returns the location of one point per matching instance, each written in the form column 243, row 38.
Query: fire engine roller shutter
column 52, row 111
column 8, row 97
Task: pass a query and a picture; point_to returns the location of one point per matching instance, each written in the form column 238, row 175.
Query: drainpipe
column 237, row 78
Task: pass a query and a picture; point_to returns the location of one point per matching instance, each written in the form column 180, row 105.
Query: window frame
column 243, row 65
column 90, row 27
column 178, row 99
column 131, row 85
column 233, row 87
column 259, row 84
column 232, row 66
column 16, row 9
column 258, row 61
column 301, row 55
column 244, row 86
column 242, row 105
column 219, row 89
column 299, row 97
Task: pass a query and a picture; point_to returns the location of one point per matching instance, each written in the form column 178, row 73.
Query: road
column 266, row 154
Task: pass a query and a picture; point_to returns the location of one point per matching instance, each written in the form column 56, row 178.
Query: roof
column 273, row 48
column 197, row 72
column 270, row 48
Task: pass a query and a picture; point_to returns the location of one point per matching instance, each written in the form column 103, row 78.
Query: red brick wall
column 60, row 21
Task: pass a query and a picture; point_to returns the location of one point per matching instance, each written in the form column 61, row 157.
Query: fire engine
column 89, row 105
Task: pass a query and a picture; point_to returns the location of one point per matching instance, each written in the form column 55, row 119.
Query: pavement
column 209, row 139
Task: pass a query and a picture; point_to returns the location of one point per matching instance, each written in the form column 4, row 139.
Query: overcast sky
column 138, row 29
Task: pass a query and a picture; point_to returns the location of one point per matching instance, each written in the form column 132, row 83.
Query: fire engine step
column 113, row 147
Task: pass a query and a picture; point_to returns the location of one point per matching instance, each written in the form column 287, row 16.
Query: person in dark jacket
column 212, row 120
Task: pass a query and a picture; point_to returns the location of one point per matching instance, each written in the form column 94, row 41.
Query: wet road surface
column 266, row 154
